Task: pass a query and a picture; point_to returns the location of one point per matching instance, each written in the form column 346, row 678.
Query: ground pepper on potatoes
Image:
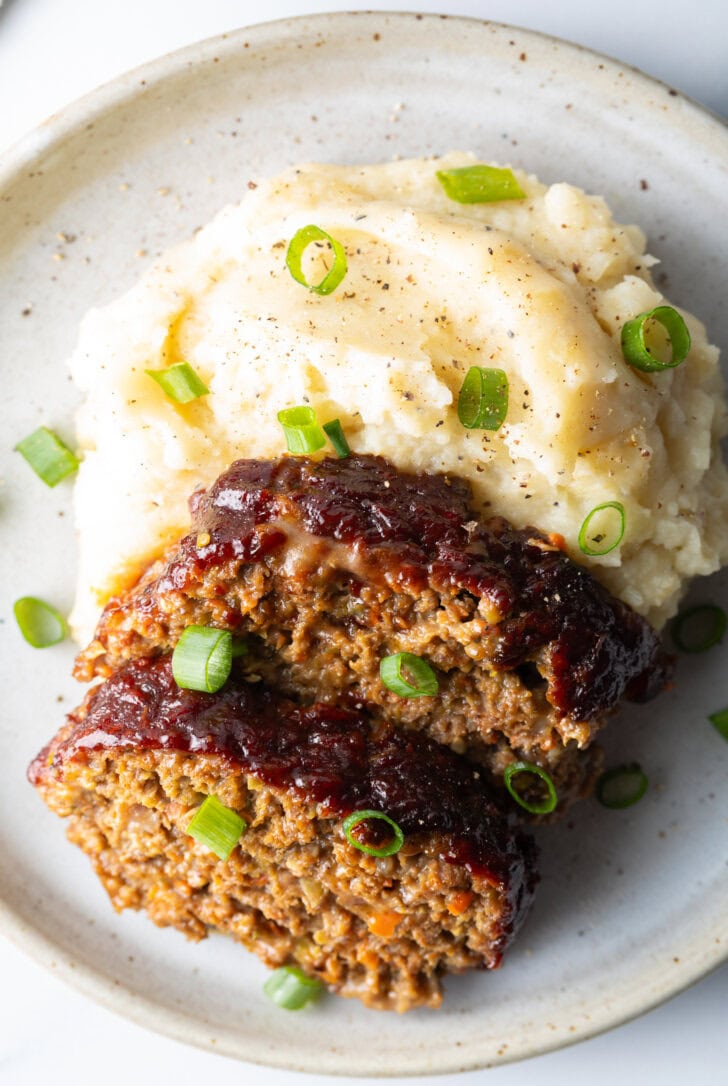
column 539, row 288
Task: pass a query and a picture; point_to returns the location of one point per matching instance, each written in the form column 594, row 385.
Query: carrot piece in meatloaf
column 329, row 566
column 136, row 761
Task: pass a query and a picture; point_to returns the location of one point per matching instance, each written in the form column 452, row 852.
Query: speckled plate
column 632, row 904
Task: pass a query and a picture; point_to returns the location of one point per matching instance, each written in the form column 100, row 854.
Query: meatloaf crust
column 328, row 566
column 136, row 760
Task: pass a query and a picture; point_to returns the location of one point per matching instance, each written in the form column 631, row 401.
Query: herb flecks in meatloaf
column 140, row 755
column 328, row 566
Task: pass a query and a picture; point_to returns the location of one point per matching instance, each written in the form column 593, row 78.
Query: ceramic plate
column 631, row 906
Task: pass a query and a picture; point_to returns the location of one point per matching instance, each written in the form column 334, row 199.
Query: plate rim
column 93, row 982
column 91, row 104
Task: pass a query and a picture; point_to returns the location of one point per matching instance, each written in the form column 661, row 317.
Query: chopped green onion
column 291, row 989
column 49, row 458
column 202, row 658
column 216, row 827
column 179, row 382
column 302, row 431
column 548, row 804
column 719, row 721
column 480, row 184
column 635, row 335
column 389, row 849
column 408, row 675
column 699, row 628
column 602, row 540
column 39, row 623
column 294, row 259
column 337, row 437
column 483, row 399
column 622, row 786
column 238, row 648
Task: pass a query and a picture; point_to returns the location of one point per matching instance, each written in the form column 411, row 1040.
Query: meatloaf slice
column 330, row 565
column 137, row 759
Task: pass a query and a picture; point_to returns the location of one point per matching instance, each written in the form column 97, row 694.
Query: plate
column 631, row 906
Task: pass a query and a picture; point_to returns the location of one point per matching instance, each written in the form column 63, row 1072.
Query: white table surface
column 51, row 51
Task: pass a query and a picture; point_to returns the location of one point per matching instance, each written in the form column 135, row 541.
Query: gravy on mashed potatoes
column 538, row 287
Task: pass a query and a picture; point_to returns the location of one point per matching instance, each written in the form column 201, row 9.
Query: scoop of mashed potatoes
column 538, row 287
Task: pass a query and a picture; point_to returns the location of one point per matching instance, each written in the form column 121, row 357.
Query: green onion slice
column 202, row 658
column 636, row 335
column 294, row 259
column 600, row 535
column 39, row 623
column 480, row 184
column 216, row 827
column 179, row 382
column 408, row 675
column 698, row 628
column 719, row 721
column 547, row 804
column 49, row 458
column 483, row 399
column 337, row 437
column 622, row 786
column 238, row 648
column 389, row 849
column 302, row 432
column 291, row 989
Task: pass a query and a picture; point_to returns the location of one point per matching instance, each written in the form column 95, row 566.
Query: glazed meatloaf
column 134, row 763
column 326, row 567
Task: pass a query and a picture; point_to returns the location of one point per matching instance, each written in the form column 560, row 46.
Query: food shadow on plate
column 599, row 865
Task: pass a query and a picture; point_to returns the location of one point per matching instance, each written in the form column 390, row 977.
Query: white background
column 52, row 51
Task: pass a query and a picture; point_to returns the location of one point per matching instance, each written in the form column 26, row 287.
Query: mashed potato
column 538, row 287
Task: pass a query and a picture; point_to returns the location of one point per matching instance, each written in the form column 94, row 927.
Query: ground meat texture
column 328, row 566
column 140, row 755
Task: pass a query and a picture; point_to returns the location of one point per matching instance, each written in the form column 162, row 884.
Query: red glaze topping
column 419, row 530
column 333, row 757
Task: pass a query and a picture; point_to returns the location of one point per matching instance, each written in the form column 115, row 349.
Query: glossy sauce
column 333, row 757
column 415, row 531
